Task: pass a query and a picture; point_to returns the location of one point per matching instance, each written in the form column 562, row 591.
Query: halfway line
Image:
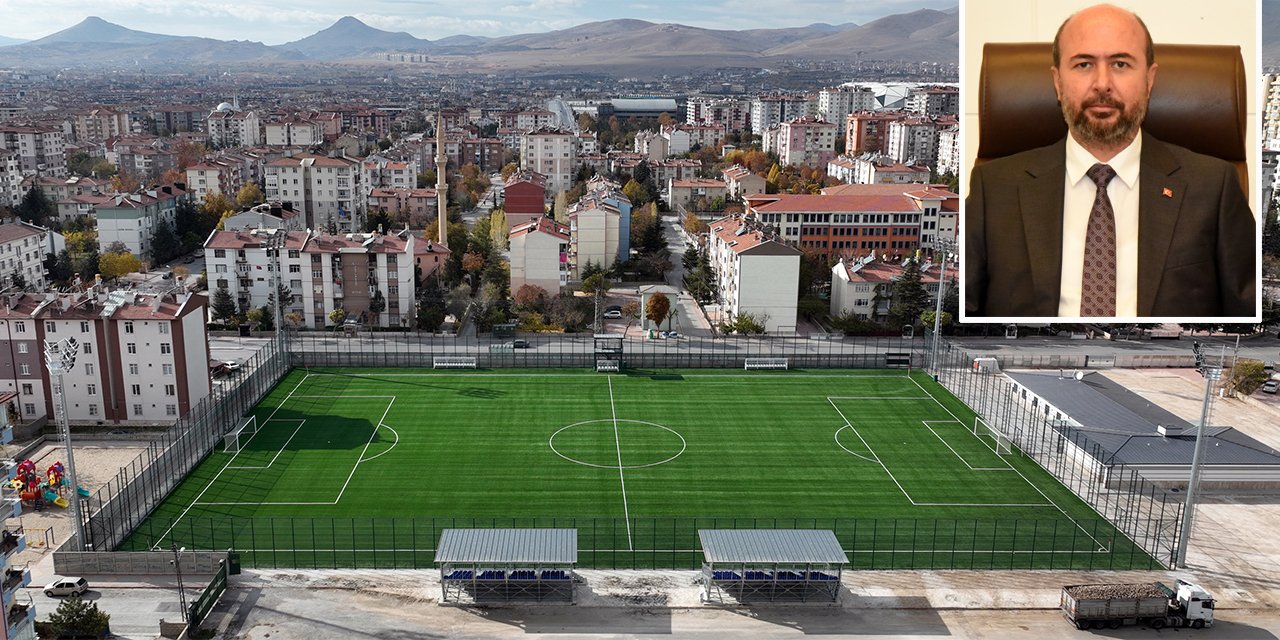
column 618, row 443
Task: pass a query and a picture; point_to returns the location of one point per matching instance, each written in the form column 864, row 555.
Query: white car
column 613, row 314
column 66, row 587
column 1271, row 386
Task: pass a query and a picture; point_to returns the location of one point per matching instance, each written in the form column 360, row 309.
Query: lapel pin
column 1166, row 192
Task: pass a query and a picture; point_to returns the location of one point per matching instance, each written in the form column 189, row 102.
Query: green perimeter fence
column 662, row 543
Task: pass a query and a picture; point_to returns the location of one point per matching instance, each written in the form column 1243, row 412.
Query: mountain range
column 923, row 35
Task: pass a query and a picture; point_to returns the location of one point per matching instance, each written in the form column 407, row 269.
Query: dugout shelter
column 771, row 564
column 502, row 565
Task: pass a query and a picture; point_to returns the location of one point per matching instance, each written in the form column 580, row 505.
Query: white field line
column 877, row 398
column 344, row 397
column 430, row 550
column 364, row 451
column 588, row 375
column 393, row 444
column 617, row 441
column 282, row 447
column 873, row 451
column 841, row 445
column 1101, row 547
column 224, row 467
column 948, row 445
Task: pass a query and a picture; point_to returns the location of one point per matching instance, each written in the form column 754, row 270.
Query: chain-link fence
column 118, row 507
column 1149, row 515
column 662, row 543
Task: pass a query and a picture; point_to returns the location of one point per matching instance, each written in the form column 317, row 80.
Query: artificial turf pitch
column 363, row 467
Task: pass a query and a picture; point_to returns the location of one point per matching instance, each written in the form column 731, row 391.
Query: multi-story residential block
column 540, row 255
column 587, row 143
column 933, row 102
column 11, row 190
column 386, row 173
column 216, row 176
column 553, row 153
column 852, row 219
column 177, row 118
column 594, row 230
column 949, row 150
column 325, row 190
column 40, row 149
column 265, row 216
column 681, row 193
column 916, row 139
column 868, row 131
column 732, row 114
column 767, row 111
column 835, row 104
column 757, row 273
column 524, row 197
column 651, row 145
column 229, row 128
column 19, row 613
column 864, row 286
column 414, row 207
column 740, row 182
column 144, row 359
column 131, row 219
column 526, row 120
column 294, row 131
column 98, row 124
column 23, row 248
column 147, row 163
column 872, row 168
column 1270, row 159
column 803, row 141
column 325, row 272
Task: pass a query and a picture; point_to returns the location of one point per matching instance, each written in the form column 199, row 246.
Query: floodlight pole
column 1211, row 375
column 60, row 358
column 274, row 244
column 177, row 569
column 945, row 247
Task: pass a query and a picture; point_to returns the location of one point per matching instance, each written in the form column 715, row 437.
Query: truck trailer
column 1152, row 604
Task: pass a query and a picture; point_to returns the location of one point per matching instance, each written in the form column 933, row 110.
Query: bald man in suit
column 1109, row 222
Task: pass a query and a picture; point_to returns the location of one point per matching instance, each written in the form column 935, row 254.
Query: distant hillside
column 6, row 41
column 349, row 37
column 1270, row 33
column 920, row 35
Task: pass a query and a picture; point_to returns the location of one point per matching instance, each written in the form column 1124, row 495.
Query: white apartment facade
column 131, row 219
column 293, row 132
column 913, row 140
column 835, row 104
column 870, row 168
column 40, row 149
column 863, row 287
column 143, row 358
column 729, row 114
column 767, row 111
column 23, row 248
column 325, row 191
column 231, row 128
column 96, row 125
column 553, row 153
column 949, row 150
column 594, row 232
column 540, row 255
column 11, row 191
column 803, row 141
column 758, row 274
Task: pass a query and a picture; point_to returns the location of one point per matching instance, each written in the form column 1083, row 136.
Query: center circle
column 597, row 443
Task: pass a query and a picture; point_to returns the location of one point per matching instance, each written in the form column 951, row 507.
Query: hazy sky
column 275, row 22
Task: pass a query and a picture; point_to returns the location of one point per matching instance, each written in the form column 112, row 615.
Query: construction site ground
column 1235, row 553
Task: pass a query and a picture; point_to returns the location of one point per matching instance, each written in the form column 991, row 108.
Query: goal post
column 233, row 442
column 1001, row 443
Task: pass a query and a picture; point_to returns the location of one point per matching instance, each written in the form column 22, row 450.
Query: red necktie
column 1098, row 285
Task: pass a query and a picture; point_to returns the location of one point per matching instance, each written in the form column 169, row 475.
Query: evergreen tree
column 909, row 296
column 222, row 305
column 431, row 306
column 35, row 207
column 164, row 243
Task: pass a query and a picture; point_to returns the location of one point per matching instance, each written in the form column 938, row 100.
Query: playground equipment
column 34, row 490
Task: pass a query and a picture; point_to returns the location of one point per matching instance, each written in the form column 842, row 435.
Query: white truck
column 1152, row 604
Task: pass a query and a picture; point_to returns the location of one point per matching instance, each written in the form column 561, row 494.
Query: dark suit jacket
column 1196, row 245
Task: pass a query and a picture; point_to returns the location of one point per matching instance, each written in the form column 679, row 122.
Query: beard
column 1122, row 128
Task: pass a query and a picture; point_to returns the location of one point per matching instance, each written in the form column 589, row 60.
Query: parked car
column 1271, row 386
column 519, row 344
column 613, row 314
column 66, row 586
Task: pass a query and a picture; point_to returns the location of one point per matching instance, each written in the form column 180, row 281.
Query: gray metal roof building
column 771, row 564
column 507, row 564
column 771, row 546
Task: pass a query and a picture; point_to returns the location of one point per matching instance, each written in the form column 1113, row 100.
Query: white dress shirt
column 1077, row 204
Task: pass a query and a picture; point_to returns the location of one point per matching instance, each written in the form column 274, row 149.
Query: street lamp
column 1211, row 375
column 944, row 246
column 177, row 569
column 273, row 244
column 60, row 358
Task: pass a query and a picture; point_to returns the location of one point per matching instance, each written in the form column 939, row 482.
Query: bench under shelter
column 502, row 565
column 771, row 564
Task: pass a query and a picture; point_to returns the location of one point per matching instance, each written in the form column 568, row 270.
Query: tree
column 249, row 195
column 18, row 281
column 59, row 267
column 926, row 319
column 657, row 307
column 164, row 242
column 531, row 297
column 125, row 183
column 431, row 306
column 75, row 618
column 337, row 316
column 35, row 207
column 508, row 169
column 103, row 169
column 909, row 296
column 378, row 220
column 634, row 192
column 259, row 318
column 744, row 324
column 80, row 164
column 377, row 304
column 596, row 284
column 223, row 307
column 630, row 311
column 114, row 265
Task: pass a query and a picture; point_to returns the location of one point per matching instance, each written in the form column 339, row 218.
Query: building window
column 91, row 389
column 29, row 408
column 26, row 389
column 50, row 327
column 295, row 268
column 93, row 409
column 22, row 347
column 132, row 347
column 171, row 409
column 137, row 409
column 167, row 369
column 219, row 253
column 136, row 389
column 88, row 348
column 128, row 326
column 164, row 347
column 25, row 369
column 88, row 368
column 20, row 326
column 84, row 327
column 133, row 369
column 168, row 390
column 164, row 328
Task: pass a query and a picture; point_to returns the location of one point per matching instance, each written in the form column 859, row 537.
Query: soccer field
column 363, row 467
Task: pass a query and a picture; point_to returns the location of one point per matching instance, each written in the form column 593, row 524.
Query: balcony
column 242, row 268
column 21, row 615
column 6, row 434
column 14, row 543
column 14, row 578
column 242, row 258
column 10, row 467
column 337, row 292
column 10, row 503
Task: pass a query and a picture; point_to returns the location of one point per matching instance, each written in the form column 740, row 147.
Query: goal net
column 235, row 441
column 997, row 440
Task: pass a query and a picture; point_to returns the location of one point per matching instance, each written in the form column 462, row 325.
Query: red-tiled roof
column 542, row 225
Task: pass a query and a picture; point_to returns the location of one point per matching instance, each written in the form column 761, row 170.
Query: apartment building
column 681, row 193
column 729, row 114
column 594, row 230
column 933, row 102
column 377, row 171
column 540, row 255
column 740, row 182
column 414, row 207
column 265, row 216
column 11, row 191
column 178, row 118
column 916, row 139
column 873, row 168
column 767, row 111
column 144, row 358
column 40, row 149
column 19, row 613
column 526, row 120
column 325, row 190
column 805, row 141
column 23, row 248
column 868, row 131
column 214, row 176
column 98, row 124
column 293, row 131
column 836, row 103
column 325, row 272
column 524, row 196
column 852, row 219
column 229, row 128
column 147, row 163
column 131, row 218
column 863, row 286
column 758, row 273
column 553, row 153
column 949, row 160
